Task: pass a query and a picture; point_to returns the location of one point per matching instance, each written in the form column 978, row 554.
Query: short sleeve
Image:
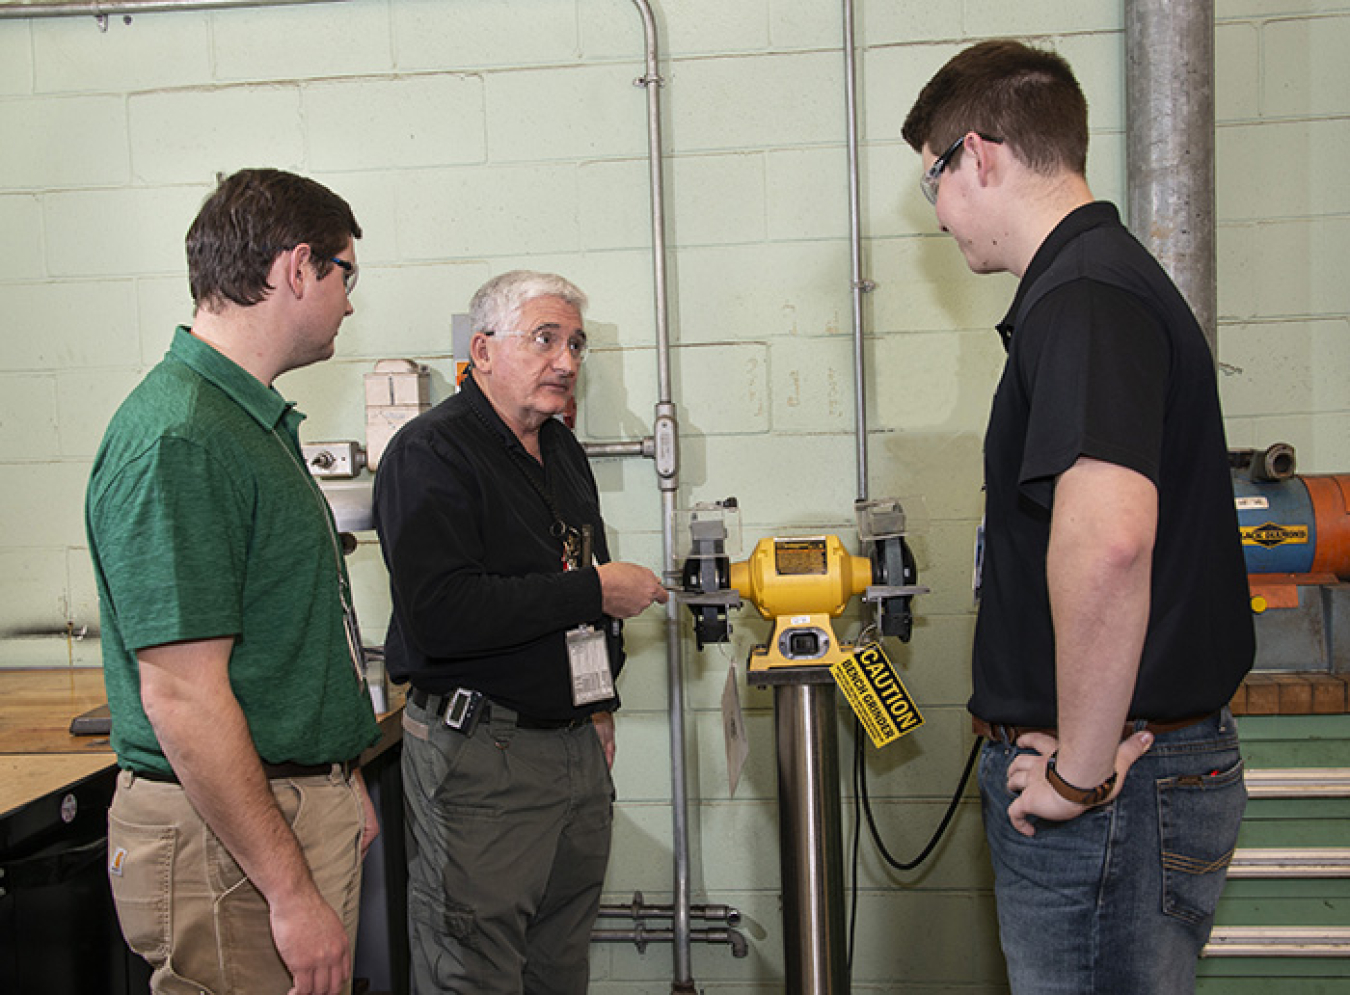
column 1096, row 372
column 171, row 547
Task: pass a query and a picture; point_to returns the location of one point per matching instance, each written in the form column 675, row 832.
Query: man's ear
column 987, row 156
column 292, row 274
column 479, row 353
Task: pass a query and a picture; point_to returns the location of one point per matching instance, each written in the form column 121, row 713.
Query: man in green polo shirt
column 236, row 834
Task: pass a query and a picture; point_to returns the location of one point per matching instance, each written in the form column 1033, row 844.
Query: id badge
column 589, row 659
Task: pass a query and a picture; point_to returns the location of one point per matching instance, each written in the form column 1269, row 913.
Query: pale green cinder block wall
column 474, row 136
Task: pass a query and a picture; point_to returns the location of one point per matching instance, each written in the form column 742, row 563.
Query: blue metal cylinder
column 1278, row 525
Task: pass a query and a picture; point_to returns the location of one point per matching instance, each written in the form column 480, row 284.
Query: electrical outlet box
column 334, row 459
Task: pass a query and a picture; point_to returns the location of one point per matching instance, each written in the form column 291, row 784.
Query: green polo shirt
column 203, row 522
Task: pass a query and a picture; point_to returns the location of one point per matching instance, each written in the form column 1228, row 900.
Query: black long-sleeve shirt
column 481, row 599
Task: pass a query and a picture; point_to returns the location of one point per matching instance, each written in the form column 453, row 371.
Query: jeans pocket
column 1199, row 816
column 140, row 873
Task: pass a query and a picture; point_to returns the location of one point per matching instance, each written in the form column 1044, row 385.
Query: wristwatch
column 1081, row 796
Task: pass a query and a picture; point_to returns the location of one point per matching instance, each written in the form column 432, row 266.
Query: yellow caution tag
column 876, row 695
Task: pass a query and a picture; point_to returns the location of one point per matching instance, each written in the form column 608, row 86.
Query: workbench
column 56, row 786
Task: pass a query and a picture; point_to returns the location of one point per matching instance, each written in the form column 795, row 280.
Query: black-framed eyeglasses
column 548, row 339
column 350, row 273
column 928, row 182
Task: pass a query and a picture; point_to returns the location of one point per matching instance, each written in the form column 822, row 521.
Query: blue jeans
column 1121, row 900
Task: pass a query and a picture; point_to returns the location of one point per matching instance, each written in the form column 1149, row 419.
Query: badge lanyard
column 576, row 544
column 352, row 630
column 587, row 653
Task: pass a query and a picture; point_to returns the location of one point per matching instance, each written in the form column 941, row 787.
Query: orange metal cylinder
column 1330, row 494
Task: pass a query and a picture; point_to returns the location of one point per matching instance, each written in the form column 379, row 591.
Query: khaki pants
column 187, row 908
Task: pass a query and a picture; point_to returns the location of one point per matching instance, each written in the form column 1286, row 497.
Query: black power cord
column 863, row 805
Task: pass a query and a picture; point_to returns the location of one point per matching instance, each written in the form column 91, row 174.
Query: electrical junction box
column 397, row 392
column 333, row 459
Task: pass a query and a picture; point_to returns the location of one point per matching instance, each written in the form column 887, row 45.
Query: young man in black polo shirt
column 1113, row 627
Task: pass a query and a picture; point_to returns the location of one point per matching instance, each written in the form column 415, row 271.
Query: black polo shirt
column 1106, row 360
column 480, row 596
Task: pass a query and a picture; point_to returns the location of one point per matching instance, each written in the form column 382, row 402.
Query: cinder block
column 72, row 55
column 55, row 488
column 1236, row 85
column 431, row 34
column 301, row 41
column 757, row 101
column 934, row 382
column 402, row 123
column 732, row 384
column 70, row 324
column 477, row 211
column 718, row 199
column 573, row 112
column 1260, row 179
column 189, row 136
column 763, row 291
column 85, row 403
column 21, row 249
column 28, row 417
column 55, row 142
column 139, row 231
column 813, row 385
column 807, row 193
column 1304, row 72
column 16, row 59
column 614, row 204
column 991, row 18
column 1284, row 367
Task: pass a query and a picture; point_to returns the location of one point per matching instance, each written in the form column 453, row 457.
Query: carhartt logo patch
column 117, row 861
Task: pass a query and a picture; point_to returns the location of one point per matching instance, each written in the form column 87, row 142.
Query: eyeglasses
column 928, row 182
column 548, row 339
column 350, row 273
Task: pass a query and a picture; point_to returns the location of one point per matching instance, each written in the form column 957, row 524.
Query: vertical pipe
column 1169, row 109
column 812, row 840
column 859, row 285
column 666, row 436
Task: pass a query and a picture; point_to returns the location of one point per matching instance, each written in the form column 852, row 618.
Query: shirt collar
column 263, row 403
column 1075, row 223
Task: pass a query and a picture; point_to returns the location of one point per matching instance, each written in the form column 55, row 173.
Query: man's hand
column 627, row 588
column 224, row 780
column 604, row 728
column 371, row 828
column 1035, row 795
column 312, row 942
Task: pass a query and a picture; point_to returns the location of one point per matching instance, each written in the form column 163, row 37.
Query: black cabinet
column 58, row 928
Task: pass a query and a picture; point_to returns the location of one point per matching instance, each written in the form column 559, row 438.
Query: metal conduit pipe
column 598, row 450
column 1169, row 114
column 860, row 285
column 666, row 433
column 640, row 936
column 102, row 10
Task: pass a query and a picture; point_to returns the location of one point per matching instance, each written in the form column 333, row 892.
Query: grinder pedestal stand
column 810, row 830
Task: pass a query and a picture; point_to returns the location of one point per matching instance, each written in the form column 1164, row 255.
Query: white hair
column 495, row 308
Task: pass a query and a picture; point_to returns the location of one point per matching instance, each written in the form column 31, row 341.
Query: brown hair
column 252, row 217
column 1028, row 97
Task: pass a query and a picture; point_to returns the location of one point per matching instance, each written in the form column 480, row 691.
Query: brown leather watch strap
column 1080, row 796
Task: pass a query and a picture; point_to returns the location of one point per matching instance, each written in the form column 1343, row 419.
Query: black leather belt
column 274, row 772
column 1003, row 733
column 435, row 703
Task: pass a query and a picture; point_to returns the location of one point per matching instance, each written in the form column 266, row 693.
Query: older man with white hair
column 506, row 612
